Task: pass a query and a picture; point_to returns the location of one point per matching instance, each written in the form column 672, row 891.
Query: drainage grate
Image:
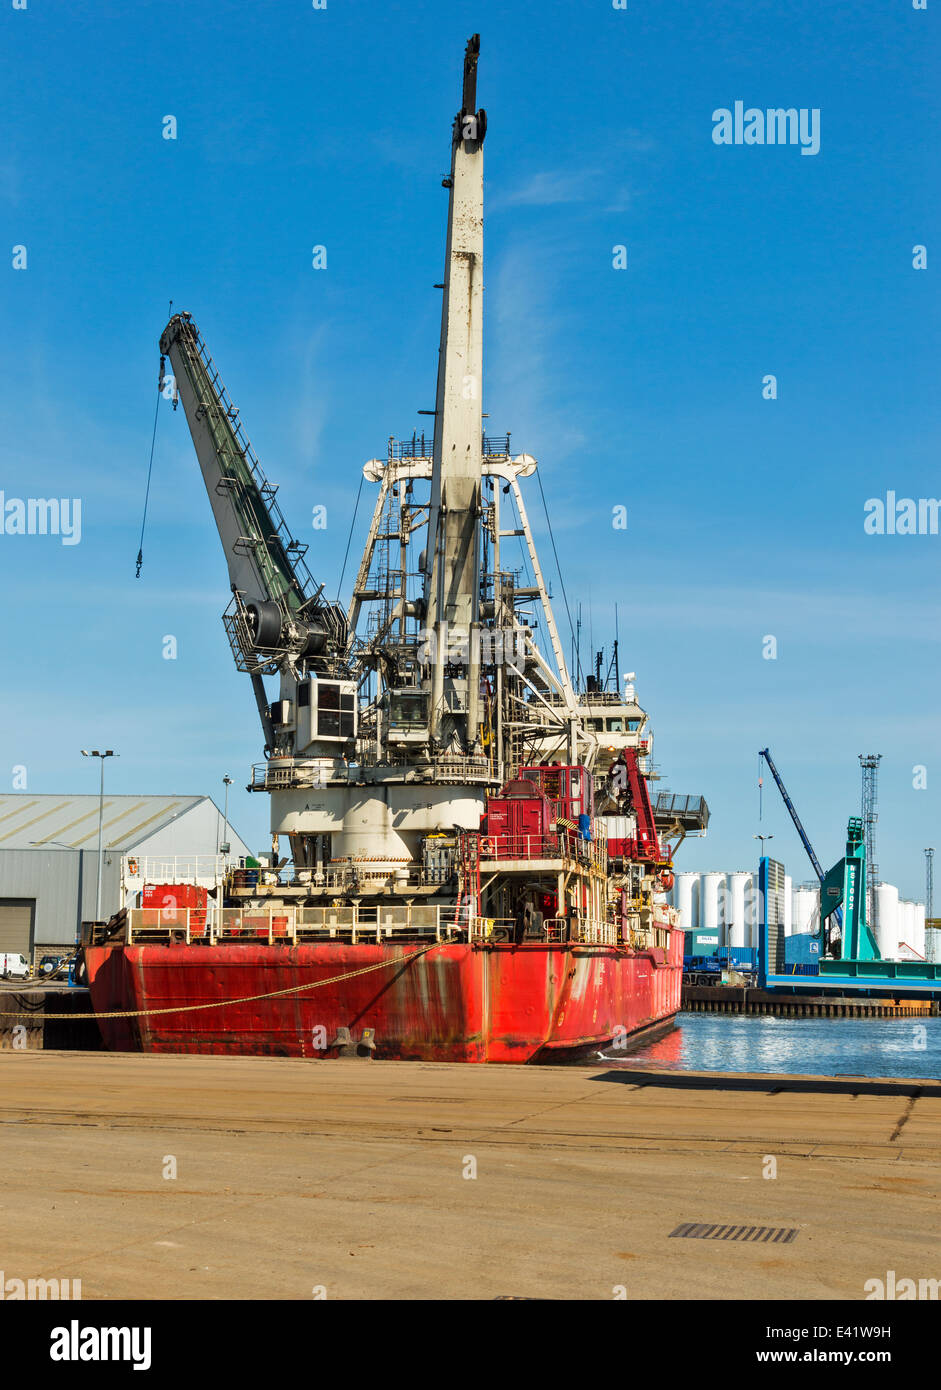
column 780, row 1235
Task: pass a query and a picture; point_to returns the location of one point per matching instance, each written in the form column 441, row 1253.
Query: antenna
column 869, row 762
column 615, row 662
column 929, row 883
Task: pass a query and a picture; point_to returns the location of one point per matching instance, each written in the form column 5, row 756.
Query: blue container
column 744, row 958
column 802, row 949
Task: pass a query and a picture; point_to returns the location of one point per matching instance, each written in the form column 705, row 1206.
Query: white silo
column 806, row 907
column 901, row 932
column 709, row 902
column 887, row 917
column 933, row 945
column 736, row 925
column 683, row 886
column 919, row 943
column 788, row 906
column 906, row 923
column 752, row 912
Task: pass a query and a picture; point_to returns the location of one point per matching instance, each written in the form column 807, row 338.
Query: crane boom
column 765, row 753
column 452, row 560
column 279, row 612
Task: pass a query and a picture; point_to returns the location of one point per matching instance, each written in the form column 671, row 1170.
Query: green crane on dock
column 844, row 886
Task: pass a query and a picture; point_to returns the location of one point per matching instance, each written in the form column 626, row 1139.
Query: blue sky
column 640, row 387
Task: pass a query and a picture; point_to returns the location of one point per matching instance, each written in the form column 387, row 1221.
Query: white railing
column 270, row 881
column 555, row 930
column 587, row 930
column 290, row 925
column 205, row 870
column 559, row 845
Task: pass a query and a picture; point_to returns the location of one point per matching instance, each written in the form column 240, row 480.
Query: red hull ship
column 457, row 1003
column 476, row 872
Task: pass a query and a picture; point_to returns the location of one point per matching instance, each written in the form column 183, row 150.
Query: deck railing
column 453, row 769
column 561, row 845
column 355, row 925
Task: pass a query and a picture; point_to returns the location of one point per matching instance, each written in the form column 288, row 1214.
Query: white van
column 13, row 967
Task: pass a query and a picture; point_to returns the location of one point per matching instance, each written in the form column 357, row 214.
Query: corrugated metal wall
column 63, row 883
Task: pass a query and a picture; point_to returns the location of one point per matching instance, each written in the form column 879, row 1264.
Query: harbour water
column 871, row 1047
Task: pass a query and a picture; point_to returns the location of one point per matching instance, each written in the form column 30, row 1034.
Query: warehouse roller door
column 16, row 925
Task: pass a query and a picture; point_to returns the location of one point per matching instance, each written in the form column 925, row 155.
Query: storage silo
column 683, row 886
column 887, row 910
column 752, row 912
column 806, row 908
column 709, row 902
column 906, row 923
column 737, row 933
column 933, row 945
column 919, row 942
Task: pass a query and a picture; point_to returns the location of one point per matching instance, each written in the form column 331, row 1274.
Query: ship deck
column 351, row 1177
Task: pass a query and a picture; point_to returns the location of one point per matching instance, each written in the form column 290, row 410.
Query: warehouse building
column 49, row 858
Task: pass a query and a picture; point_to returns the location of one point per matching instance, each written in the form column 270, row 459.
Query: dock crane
column 277, row 621
column 792, row 810
column 355, row 777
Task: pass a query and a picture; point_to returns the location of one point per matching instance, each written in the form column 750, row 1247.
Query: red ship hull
column 535, row 1002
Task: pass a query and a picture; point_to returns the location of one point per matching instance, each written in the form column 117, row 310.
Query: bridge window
column 336, row 710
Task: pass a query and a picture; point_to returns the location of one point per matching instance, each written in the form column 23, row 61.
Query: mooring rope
column 246, row 999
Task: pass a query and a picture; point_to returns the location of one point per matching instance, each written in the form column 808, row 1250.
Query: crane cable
column 346, row 554
column 153, row 441
column 555, row 553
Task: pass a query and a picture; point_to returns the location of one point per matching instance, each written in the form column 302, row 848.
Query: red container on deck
column 518, row 821
column 569, row 788
column 170, row 895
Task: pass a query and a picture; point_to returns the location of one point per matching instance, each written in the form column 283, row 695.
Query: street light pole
column 224, row 847
column 108, row 753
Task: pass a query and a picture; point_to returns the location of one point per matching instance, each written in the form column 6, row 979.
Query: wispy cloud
column 548, row 188
column 593, row 183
